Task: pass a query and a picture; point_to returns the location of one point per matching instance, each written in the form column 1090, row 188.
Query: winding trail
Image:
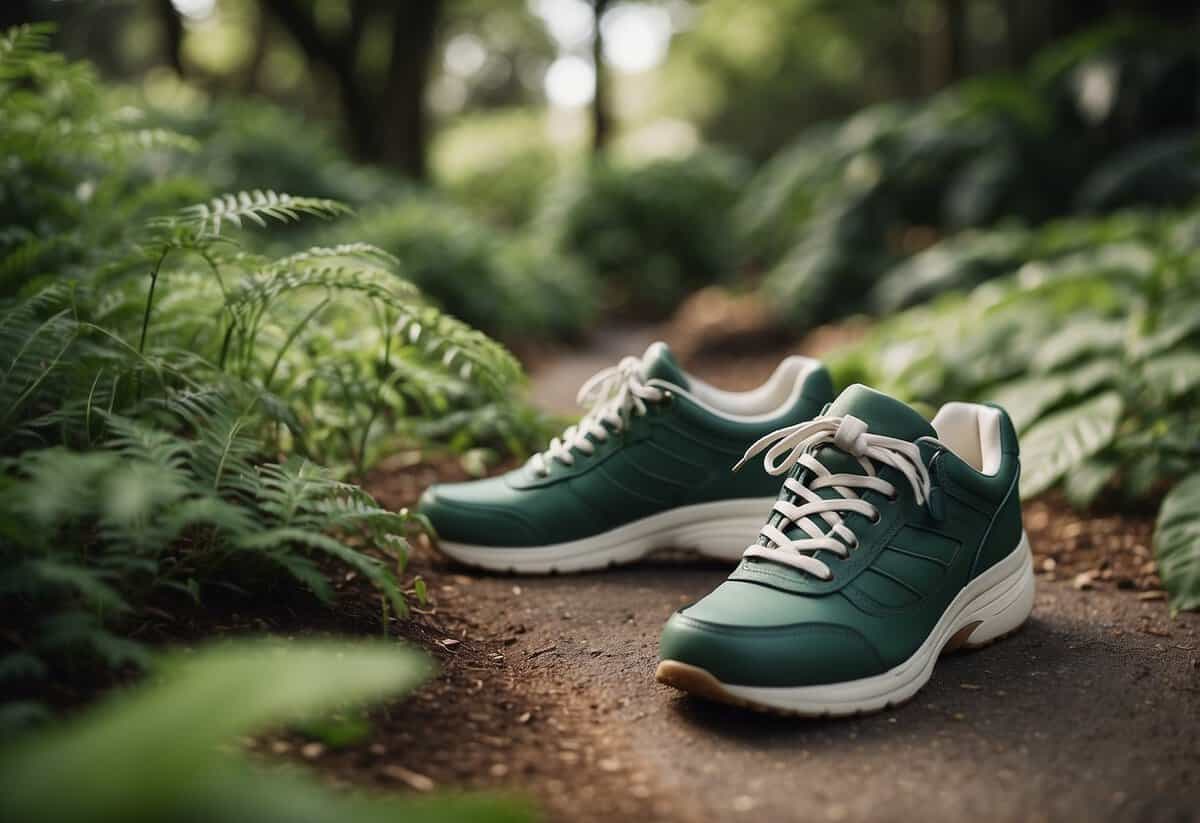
column 1090, row 712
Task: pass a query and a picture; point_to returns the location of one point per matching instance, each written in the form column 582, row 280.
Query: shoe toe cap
column 785, row 654
column 477, row 513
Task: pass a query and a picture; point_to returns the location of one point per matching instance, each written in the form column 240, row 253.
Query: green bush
column 1094, row 352
column 167, row 750
column 168, row 390
column 651, row 233
column 849, row 202
column 506, row 191
column 253, row 144
column 512, row 287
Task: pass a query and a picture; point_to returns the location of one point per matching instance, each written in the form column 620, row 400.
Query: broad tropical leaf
column 164, row 751
column 1066, row 439
column 1083, row 483
column 1177, row 543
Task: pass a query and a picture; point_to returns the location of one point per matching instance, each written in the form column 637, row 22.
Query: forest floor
column 1090, row 712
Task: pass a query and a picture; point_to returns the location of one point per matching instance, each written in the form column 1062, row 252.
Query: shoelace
column 796, row 444
column 610, row 396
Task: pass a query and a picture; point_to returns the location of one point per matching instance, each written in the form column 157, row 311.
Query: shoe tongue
column 882, row 414
column 659, row 364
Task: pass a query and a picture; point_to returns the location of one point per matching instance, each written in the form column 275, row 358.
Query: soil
column 1091, row 711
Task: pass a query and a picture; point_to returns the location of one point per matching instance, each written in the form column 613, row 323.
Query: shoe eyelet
column 875, row 518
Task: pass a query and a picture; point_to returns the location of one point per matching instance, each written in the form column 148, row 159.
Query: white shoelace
column 610, row 396
column 796, row 445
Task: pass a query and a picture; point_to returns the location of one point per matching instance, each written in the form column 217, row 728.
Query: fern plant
column 168, row 392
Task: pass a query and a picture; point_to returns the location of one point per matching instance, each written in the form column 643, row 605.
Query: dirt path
column 1091, row 712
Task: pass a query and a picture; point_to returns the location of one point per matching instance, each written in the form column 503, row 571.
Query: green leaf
column 135, row 756
column 1177, row 543
column 1028, row 398
column 254, row 206
column 1083, row 483
column 364, row 564
column 1172, row 375
column 21, row 666
column 1064, row 440
column 87, row 582
column 1078, row 340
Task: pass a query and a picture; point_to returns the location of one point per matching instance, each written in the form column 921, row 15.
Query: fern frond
column 367, row 566
column 288, row 489
column 21, row 44
column 138, row 442
column 75, row 631
column 366, row 252
column 90, row 585
column 254, row 206
column 121, row 143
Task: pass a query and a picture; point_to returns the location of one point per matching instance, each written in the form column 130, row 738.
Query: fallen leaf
column 413, row 780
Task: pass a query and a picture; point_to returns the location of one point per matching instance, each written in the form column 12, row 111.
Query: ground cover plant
column 170, row 394
column 1093, row 346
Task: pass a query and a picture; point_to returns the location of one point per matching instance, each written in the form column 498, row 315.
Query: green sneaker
column 646, row 467
column 892, row 541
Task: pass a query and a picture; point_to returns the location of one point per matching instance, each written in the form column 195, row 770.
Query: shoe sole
column 990, row 607
column 721, row 530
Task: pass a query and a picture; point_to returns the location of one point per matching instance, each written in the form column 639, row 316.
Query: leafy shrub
column 253, row 144
column 510, row 287
column 507, row 190
column 652, row 232
column 842, row 206
column 167, row 389
column 1096, row 355
column 165, row 751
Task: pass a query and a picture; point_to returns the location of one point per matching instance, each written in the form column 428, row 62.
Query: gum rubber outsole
column 697, row 682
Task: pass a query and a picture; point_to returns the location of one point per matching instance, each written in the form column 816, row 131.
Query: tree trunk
column 172, row 35
column 402, row 124
column 956, row 40
column 601, row 120
column 385, row 117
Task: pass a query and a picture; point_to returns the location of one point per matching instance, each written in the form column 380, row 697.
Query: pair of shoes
column 890, row 540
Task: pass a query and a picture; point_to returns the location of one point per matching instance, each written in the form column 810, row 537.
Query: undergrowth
column 170, row 393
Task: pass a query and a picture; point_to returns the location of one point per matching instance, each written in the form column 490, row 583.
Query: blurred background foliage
column 632, row 151
column 1007, row 189
column 160, row 752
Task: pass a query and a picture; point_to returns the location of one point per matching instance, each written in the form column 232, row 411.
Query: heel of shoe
column 721, row 540
column 723, row 530
column 1004, row 602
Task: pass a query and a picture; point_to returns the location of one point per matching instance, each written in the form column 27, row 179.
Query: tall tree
column 172, row 34
column 601, row 119
column 384, row 111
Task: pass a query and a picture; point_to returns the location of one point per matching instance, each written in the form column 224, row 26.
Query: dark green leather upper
column 773, row 625
column 679, row 453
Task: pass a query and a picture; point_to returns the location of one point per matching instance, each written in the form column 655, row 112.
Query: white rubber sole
column 722, row 530
column 989, row 607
